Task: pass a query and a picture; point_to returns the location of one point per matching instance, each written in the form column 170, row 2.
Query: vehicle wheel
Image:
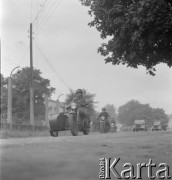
column 85, row 131
column 106, row 129
column 54, row 133
column 85, row 128
column 102, row 127
column 73, row 124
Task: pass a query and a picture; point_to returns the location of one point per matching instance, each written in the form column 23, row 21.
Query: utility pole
column 9, row 114
column 46, row 110
column 9, row 111
column 31, row 82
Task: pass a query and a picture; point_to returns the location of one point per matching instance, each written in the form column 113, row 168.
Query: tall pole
column 46, row 110
column 9, row 114
column 31, row 82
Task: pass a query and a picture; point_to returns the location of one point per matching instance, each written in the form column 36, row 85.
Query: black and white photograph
column 86, row 89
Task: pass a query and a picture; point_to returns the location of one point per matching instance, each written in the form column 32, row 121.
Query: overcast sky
column 63, row 38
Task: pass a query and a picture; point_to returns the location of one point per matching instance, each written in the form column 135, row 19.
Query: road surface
column 77, row 158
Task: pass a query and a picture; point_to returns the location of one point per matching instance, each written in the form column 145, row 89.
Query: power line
column 45, row 11
column 10, row 60
column 30, row 10
column 42, row 9
column 24, row 56
column 7, row 68
column 61, row 80
column 7, row 64
column 47, row 16
column 44, row 65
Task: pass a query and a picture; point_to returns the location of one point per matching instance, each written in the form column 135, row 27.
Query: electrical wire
column 21, row 61
column 7, row 64
column 8, row 69
column 44, row 64
column 30, row 10
column 42, row 9
column 9, row 60
column 47, row 16
column 45, row 11
column 57, row 74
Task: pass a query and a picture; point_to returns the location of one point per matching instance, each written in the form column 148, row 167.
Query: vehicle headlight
column 73, row 105
column 103, row 118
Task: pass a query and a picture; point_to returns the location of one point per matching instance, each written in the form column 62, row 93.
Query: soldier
column 82, row 106
column 106, row 115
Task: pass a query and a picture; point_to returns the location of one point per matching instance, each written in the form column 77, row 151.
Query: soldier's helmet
column 79, row 91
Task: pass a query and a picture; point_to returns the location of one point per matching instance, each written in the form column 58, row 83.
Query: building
column 55, row 108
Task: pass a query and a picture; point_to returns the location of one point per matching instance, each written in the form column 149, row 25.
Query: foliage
column 21, row 94
column 111, row 110
column 134, row 110
column 3, row 98
column 88, row 97
column 140, row 31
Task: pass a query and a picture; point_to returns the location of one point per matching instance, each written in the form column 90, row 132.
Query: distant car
column 139, row 127
column 113, row 127
column 156, row 128
column 164, row 127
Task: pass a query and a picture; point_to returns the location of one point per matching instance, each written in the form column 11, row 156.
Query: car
column 164, row 127
column 139, row 127
column 156, row 128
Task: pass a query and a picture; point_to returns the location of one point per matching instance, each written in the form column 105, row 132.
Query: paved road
column 77, row 158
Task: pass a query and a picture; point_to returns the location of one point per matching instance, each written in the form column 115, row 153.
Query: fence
column 23, row 127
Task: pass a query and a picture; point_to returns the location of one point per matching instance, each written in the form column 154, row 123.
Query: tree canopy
column 111, row 110
column 89, row 98
column 140, row 31
column 21, row 94
column 3, row 98
column 134, row 110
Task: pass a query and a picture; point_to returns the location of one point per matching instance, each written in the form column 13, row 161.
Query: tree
column 129, row 112
column 21, row 93
column 89, row 98
column 3, row 98
column 140, row 31
column 111, row 110
column 159, row 115
column 134, row 110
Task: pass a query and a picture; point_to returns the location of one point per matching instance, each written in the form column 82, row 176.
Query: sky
column 65, row 51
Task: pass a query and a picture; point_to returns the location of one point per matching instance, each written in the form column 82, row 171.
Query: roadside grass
column 4, row 134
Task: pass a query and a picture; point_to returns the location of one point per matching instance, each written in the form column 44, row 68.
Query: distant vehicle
column 113, row 127
column 164, row 127
column 139, row 125
column 156, row 128
column 104, row 125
